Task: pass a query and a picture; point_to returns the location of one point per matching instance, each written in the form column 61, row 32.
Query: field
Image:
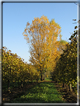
column 42, row 92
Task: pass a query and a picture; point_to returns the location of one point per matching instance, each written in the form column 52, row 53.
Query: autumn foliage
column 42, row 35
column 14, row 69
column 49, row 53
column 66, row 67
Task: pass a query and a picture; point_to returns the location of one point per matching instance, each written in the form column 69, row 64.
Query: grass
column 48, row 79
column 44, row 92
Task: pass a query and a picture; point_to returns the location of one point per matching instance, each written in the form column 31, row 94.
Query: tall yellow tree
column 43, row 35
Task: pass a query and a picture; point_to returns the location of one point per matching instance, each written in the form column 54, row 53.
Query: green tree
column 66, row 67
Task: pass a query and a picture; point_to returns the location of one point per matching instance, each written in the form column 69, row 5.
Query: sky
column 16, row 16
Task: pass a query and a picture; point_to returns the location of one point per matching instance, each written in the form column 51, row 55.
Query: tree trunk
column 31, row 80
column 70, row 87
column 13, row 84
column 41, row 73
column 37, row 80
column 63, row 84
column 21, row 84
column 8, row 86
column 8, row 83
column 41, row 76
column 18, row 82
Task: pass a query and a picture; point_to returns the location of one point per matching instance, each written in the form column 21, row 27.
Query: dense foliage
column 48, row 54
column 15, row 70
column 66, row 67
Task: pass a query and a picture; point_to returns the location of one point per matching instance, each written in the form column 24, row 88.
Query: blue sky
column 16, row 16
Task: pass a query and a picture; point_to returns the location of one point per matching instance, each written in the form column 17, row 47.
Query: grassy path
column 44, row 92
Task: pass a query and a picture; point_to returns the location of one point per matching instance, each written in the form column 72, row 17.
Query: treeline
column 47, row 55
column 66, row 67
column 14, row 69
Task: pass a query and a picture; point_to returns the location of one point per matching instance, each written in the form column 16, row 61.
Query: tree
column 66, row 67
column 43, row 38
column 62, row 45
column 15, row 70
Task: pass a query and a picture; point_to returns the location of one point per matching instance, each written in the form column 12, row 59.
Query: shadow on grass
column 34, row 100
column 16, row 92
column 23, row 99
column 48, row 93
column 40, row 93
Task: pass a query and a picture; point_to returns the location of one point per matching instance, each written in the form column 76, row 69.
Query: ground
column 67, row 96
